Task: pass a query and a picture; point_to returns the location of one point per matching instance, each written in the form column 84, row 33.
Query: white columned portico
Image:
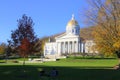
column 68, row 42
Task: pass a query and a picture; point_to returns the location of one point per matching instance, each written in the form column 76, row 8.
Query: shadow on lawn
column 30, row 72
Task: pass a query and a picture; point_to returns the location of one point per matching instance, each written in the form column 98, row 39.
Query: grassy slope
column 69, row 69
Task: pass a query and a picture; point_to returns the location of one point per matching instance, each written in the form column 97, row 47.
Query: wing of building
column 69, row 42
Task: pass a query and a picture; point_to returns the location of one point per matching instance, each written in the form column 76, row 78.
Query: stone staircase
column 54, row 56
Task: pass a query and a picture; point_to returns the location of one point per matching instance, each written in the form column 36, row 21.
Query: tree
column 2, row 48
column 24, row 38
column 43, row 41
column 25, row 48
column 105, row 15
column 8, row 50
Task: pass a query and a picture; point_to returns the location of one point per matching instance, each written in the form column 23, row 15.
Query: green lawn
column 69, row 69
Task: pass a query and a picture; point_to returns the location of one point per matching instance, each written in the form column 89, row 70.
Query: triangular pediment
column 65, row 36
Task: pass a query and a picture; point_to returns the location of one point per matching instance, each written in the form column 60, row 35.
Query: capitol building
column 69, row 42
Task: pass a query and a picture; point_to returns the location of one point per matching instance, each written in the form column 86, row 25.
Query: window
column 72, row 30
column 76, row 31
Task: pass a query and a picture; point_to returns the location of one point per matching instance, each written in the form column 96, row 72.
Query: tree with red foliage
column 25, row 48
column 24, row 39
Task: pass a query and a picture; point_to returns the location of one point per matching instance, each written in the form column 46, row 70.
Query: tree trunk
column 6, row 59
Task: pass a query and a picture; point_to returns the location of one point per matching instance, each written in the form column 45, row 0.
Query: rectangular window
column 72, row 30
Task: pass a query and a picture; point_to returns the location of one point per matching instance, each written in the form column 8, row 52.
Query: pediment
column 66, row 36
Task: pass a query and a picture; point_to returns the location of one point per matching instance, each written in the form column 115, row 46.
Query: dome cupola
column 73, row 27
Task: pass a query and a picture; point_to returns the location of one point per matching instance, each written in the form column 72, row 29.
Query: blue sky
column 50, row 16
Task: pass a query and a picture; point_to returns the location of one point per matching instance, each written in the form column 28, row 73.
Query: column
column 79, row 47
column 82, row 48
column 68, row 47
column 76, row 46
column 57, row 48
column 60, row 48
column 72, row 46
column 63, row 47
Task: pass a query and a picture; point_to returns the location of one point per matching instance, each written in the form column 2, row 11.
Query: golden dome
column 72, row 22
column 72, row 27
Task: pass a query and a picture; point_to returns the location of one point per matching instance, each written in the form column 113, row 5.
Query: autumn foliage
column 25, row 48
column 23, row 39
column 105, row 15
column 2, row 48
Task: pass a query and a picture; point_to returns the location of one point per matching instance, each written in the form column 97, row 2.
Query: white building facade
column 68, row 42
